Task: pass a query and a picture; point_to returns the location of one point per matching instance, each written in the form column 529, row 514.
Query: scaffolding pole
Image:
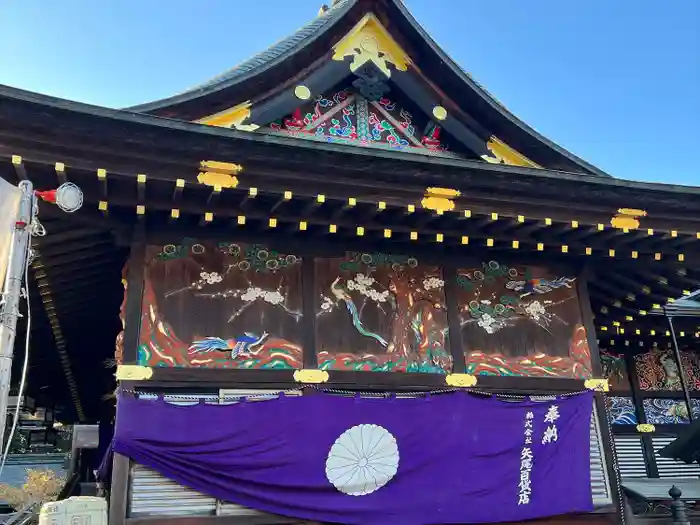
column 11, row 295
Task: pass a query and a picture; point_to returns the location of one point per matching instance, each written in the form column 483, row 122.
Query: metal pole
column 679, row 362
column 12, row 290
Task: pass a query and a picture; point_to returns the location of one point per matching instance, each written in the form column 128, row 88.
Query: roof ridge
column 244, row 66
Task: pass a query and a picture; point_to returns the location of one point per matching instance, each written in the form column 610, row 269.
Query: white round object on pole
column 69, row 197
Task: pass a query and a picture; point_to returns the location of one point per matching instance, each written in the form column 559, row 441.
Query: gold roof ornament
column 439, row 199
column 231, row 118
column 369, row 41
column 219, row 174
column 627, row 218
column 504, row 154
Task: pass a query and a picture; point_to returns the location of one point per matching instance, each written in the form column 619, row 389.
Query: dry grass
column 40, row 485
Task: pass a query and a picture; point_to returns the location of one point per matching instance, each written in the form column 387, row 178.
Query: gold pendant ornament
column 440, row 199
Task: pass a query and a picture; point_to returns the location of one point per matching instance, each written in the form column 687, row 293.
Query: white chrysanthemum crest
column 362, row 460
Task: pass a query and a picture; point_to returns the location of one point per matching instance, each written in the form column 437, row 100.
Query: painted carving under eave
column 369, row 41
column 347, row 117
column 504, row 154
column 234, row 117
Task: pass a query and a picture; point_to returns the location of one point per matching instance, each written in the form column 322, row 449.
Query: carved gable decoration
column 370, row 42
column 348, row 117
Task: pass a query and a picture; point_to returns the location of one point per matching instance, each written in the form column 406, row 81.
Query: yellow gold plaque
column 461, row 380
column 599, row 385
column 134, row 373
column 311, row 376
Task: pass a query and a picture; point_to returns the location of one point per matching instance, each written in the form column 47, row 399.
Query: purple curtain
column 449, row 458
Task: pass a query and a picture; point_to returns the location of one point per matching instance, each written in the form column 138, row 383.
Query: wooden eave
column 38, row 120
column 74, row 286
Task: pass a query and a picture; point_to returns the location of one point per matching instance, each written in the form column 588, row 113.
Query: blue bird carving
column 239, row 345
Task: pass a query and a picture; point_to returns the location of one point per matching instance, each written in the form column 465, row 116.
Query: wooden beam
column 449, row 275
column 119, row 490
column 584, row 302
column 135, row 283
column 60, row 345
column 638, row 400
column 309, row 307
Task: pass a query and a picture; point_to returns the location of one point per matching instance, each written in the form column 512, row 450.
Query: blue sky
column 616, row 82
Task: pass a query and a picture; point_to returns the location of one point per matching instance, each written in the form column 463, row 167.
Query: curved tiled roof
column 274, row 54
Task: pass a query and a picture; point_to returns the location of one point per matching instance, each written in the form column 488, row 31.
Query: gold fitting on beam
column 627, row 218
column 311, row 376
column 16, row 160
column 645, row 428
column 101, row 173
column 221, row 167
column 134, row 373
column 461, row 380
column 598, row 385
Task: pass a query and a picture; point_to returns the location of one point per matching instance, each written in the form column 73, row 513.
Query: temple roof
column 296, row 57
column 258, row 62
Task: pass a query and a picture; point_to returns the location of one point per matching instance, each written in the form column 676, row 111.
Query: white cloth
column 9, row 207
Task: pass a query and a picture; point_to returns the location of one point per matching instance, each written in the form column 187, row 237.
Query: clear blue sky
column 615, row 81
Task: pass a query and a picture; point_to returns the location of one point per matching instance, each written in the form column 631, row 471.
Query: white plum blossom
column 363, row 284
column 326, row 304
column 488, row 323
column 535, row 310
column 365, row 280
column 210, row 277
column 433, row 283
column 269, row 296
